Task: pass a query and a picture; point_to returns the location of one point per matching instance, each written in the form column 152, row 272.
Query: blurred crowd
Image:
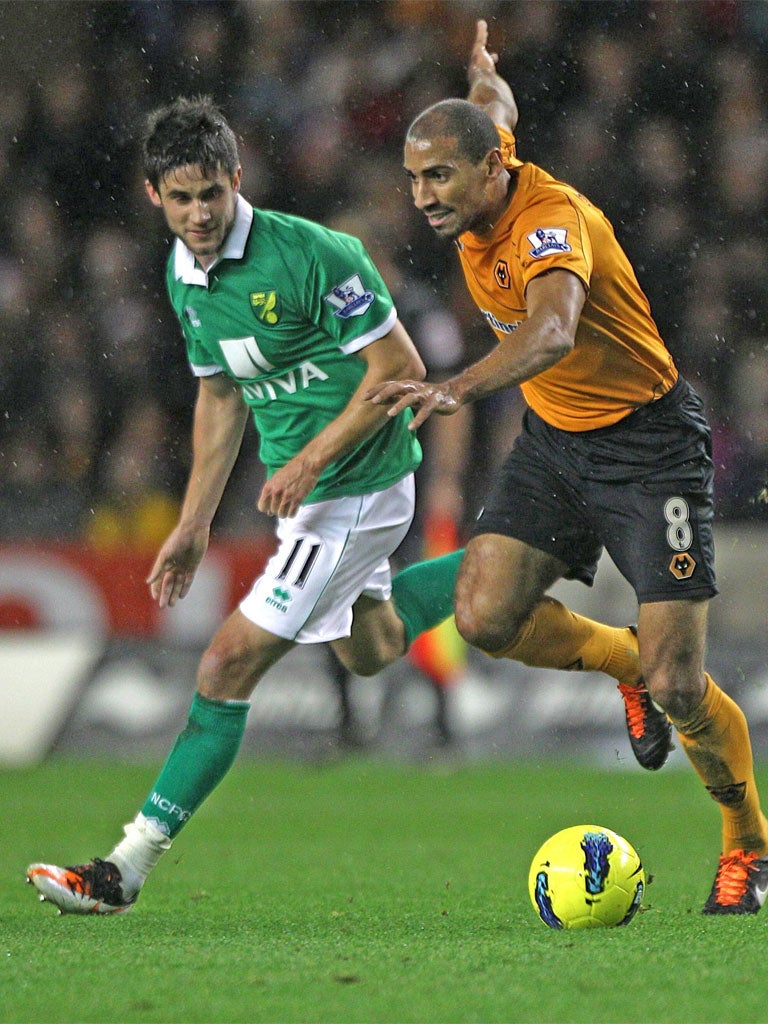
column 656, row 110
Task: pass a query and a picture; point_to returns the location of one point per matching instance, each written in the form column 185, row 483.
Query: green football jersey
column 283, row 311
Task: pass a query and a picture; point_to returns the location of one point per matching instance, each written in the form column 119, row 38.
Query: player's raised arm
column 486, row 87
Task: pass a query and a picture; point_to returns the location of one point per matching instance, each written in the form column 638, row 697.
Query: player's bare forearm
column 512, row 362
column 217, row 433
column 555, row 301
column 219, row 421
column 285, row 491
column 289, row 486
column 487, row 89
column 506, row 366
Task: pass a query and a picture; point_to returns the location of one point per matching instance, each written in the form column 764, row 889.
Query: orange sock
column 716, row 740
column 555, row 637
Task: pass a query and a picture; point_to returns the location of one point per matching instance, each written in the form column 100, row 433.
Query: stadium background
column 657, row 110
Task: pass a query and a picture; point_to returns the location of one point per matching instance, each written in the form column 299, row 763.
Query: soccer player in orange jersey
column 614, row 451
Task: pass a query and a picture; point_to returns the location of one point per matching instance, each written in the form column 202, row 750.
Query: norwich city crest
column 265, row 306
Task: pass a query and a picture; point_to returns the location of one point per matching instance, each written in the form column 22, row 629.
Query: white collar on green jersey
column 188, row 270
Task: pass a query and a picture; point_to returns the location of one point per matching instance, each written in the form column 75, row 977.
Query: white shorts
column 330, row 553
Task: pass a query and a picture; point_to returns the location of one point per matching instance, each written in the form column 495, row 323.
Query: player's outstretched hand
column 420, row 395
column 480, row 59
column 176, row 565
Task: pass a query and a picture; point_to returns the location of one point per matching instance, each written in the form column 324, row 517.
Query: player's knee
column 677, row 689
column 364, row 665
column 377, row 639
column 371, row 658
column 223, row 671
column 479, row 623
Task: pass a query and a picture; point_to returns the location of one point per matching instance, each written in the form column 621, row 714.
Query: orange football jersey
column 619, row 361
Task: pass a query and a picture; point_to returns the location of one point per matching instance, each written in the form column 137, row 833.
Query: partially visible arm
column 392, row 357
column 486, row 88
column 554, row 303
column 219, row 422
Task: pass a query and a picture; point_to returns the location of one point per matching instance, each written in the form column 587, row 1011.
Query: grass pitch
column 369, row 892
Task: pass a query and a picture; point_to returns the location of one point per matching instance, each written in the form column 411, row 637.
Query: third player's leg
column 377, row 638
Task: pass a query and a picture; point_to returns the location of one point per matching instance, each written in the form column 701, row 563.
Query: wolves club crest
column 501, row 273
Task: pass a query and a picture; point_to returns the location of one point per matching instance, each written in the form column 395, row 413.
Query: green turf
column 362, row 892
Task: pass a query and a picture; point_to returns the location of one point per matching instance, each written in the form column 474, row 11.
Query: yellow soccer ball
column 586, row 876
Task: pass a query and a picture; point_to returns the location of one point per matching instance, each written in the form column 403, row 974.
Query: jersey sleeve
column 552, row 234
column 347, row 292
column 201, row 366
column 201, row 361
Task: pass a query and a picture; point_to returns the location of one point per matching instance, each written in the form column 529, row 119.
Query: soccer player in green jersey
column 292, row 323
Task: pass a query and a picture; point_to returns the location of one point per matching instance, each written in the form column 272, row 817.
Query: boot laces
column 99, row 879
column 635, row 706
column 733, row 876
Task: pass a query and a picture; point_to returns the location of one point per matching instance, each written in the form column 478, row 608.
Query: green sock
column 423, row 593
column 200, row 758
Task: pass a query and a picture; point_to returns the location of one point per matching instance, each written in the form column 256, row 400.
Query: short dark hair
column 189, row 130
column 473, row 129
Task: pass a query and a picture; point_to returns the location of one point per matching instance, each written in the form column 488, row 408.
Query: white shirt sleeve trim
column 206, row 371
column 370, row 336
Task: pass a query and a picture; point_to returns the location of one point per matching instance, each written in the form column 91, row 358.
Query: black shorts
column 642, row 489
